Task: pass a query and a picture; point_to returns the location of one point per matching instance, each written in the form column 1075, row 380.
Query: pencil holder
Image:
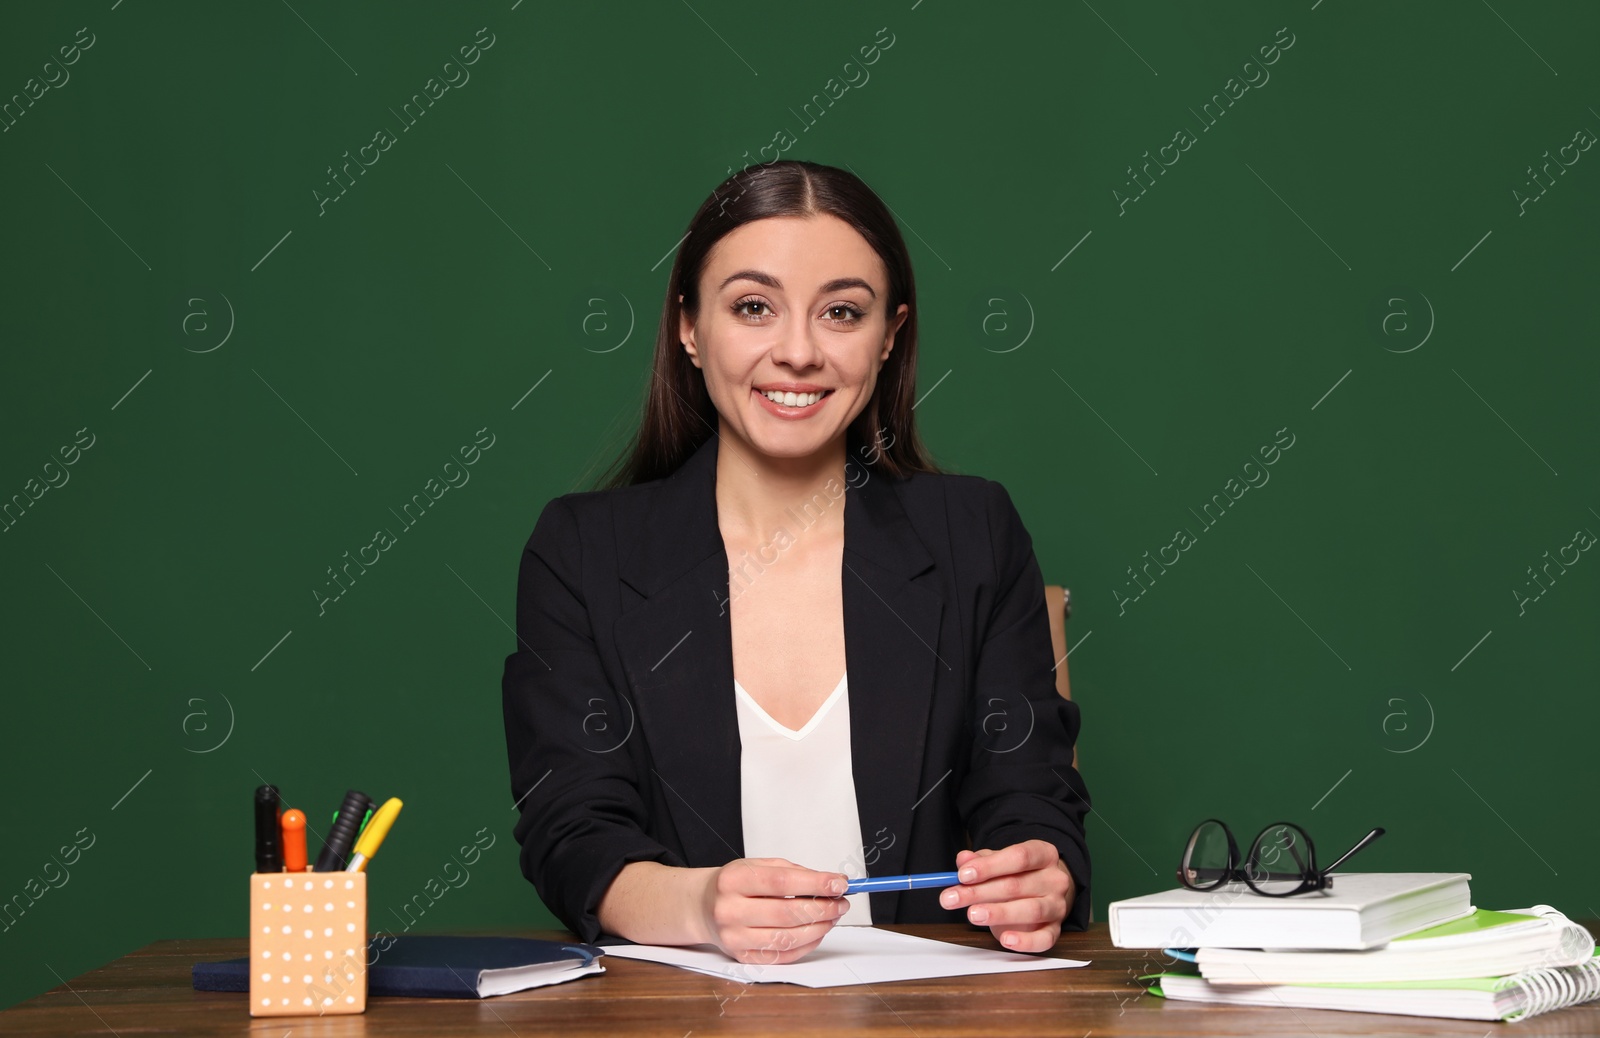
column 308, row 943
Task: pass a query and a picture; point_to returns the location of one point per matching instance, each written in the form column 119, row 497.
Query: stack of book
column 1406, row 943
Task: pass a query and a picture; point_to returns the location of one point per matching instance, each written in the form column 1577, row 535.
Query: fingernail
column 836, row 886
column 1009, row 940
column 949, row 898
column 968, row 874
column 978, row 913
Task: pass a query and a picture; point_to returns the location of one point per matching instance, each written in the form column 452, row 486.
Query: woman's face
column 791, row 305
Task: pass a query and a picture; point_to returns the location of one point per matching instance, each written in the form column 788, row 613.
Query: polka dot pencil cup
column 308, row 943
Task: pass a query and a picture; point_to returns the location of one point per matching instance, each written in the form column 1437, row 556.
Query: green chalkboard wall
column 1295, row 300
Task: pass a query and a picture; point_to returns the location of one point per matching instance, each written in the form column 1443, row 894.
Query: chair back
column 1058, row 602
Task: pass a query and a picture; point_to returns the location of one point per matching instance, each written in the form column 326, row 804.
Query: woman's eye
column 840, row 313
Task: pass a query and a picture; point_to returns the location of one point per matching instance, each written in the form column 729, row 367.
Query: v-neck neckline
column 810, row 725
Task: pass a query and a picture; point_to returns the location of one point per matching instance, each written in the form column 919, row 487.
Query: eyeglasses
column 1282, row 861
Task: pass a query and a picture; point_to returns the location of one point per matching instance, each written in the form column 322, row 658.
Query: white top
column 798, row 794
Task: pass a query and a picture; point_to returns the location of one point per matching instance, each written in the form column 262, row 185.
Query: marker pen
column 919, row 881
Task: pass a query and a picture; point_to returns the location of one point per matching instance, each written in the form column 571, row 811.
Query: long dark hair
column 678, row 413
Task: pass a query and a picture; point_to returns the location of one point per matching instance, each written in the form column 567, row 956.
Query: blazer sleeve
column 582, row 814
column 1021, row 784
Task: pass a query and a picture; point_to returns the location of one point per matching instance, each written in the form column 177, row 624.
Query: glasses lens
column 1206, row 864
column 1280, row 861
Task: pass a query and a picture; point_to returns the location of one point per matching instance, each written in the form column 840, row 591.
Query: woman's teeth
column 793, row 399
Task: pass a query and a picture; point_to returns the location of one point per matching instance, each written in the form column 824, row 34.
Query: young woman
column 780, row 648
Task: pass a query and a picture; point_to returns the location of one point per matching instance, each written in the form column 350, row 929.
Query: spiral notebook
column 1508, row 998
column 1484, row 944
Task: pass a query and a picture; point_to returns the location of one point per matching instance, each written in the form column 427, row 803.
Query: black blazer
column 621, row 728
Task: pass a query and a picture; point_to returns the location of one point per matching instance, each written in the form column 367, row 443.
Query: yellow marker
column 373, row 835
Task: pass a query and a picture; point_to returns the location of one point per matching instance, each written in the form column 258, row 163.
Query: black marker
column 342, row 834
column 269, row 847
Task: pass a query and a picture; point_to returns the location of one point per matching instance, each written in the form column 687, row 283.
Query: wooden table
column 149, row 993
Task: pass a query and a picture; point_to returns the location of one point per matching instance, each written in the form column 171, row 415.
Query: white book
column 1360, row 910
column 1484, row 944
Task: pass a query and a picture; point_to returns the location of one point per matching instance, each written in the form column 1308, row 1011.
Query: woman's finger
column 1023, row 912
column 1045, row 882
column 737, row 910
column 998, row 875
column 1005, row 888
column 1018, row 857
column 770, row 946
column 753, row 879
column 1024, row 939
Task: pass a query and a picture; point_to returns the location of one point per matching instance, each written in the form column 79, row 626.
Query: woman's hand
column 769, row 910
column 1021, row 892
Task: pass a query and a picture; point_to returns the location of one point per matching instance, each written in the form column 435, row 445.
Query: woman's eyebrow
column 762, row 277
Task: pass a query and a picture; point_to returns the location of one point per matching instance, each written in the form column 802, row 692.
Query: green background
column 1360, row 604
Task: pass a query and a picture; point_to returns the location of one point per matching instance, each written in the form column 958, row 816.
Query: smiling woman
column 840, row 241
column 835, row 703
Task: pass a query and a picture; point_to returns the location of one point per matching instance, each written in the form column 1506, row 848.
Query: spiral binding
column 1577, row 943
column 1554, row 987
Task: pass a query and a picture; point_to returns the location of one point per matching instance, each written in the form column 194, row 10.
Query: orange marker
column 294, row 840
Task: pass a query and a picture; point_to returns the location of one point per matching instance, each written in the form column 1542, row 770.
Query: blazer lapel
column 677, row 650
column 892, row 616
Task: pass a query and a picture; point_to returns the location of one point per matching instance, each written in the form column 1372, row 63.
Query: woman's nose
column 796, row 345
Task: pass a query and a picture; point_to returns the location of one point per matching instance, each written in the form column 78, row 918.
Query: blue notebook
column 426, row 966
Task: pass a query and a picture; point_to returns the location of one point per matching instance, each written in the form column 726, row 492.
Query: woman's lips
column 790, row 413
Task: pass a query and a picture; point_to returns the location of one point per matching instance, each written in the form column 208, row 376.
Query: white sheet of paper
column 850, row 955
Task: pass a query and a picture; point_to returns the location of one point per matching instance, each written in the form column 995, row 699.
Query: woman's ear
column 686, row 333
column 894, row 328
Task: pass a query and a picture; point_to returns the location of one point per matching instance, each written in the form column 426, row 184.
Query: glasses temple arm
column 1373, row 835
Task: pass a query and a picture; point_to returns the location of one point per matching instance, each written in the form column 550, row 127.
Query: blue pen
column 917, row 882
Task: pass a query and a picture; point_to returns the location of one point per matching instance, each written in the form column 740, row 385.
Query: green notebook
column 1482, row 944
